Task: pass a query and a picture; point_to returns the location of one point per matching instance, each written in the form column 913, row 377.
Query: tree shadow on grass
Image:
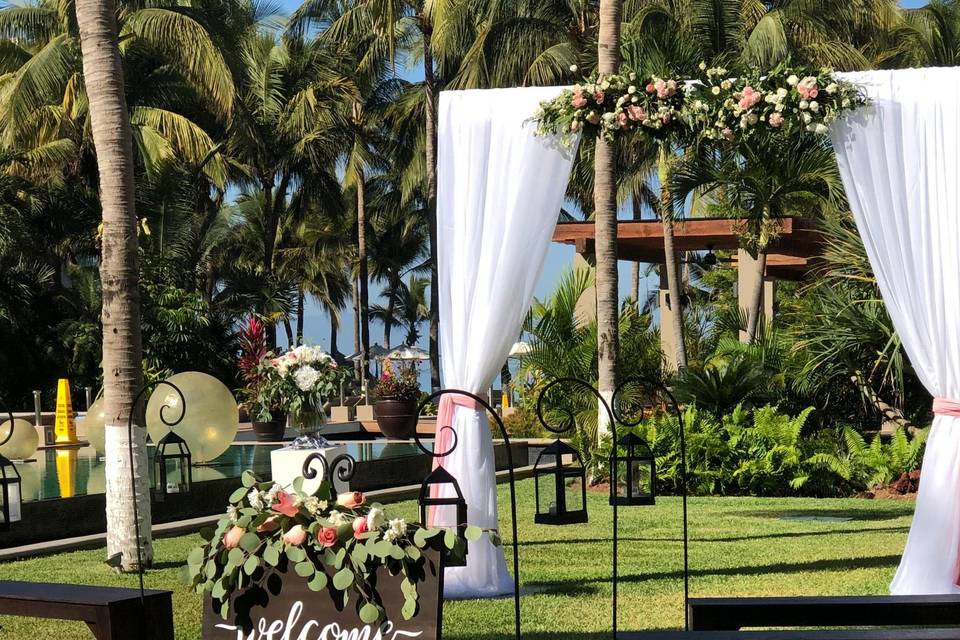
column 591, row 586
column 855, row 515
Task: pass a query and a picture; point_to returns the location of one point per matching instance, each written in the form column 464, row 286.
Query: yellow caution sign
column 64, row 429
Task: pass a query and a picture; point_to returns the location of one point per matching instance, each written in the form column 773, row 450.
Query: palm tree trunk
column 334, row 330
column 889, row 412
column 300, row 302
column 287, row 329
column 670, row 256
column 635, row 267
column 388, row 320
column 127, row 482
column 356, row 329
column 364, row 285
column 270, row 225
column 605, row 222
column 756, row 296
column 431, row 196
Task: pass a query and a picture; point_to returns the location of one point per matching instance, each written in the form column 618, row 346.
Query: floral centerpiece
column 336, row 545
column 299, row 381
column 397, row 401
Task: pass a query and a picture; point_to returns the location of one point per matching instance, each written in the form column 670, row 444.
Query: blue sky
column 559, row 258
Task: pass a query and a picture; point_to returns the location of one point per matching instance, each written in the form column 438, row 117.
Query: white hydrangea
column 397, row 528
column 337, row 519
column 306, row 377
column 255, row 498
column 233, row 512
column 374, row 518
column 314, row 505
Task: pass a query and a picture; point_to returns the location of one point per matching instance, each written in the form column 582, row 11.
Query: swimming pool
column 65, row 473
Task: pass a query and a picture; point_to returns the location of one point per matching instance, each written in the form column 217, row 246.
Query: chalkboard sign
column 283, row 608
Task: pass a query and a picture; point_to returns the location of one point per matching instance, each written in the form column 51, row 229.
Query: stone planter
column 280, row 605
column 271, row 431
column 397, row 419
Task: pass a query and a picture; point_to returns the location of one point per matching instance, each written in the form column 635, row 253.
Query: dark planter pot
column 271, row 431
column 397, row 419
column 281, row 605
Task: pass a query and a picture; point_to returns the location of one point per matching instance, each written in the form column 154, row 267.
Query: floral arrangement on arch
column 401, row 383
column 784, row 102
column 335, row 545
column 296, row 382
column 606, row 105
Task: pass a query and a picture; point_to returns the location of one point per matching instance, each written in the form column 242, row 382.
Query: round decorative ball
column 211, row 419
column 92, row 427
column 24, row 442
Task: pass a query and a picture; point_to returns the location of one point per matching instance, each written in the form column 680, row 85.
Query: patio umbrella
column 407, row 352
column 519, row 349
column 376, row 353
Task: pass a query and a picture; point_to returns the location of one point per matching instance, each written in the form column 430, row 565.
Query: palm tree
column 766, row 182
column 127, row 479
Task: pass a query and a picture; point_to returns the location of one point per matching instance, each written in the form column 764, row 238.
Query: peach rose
column 270, row 524
column 359, row 527
column 327, row 536
column 285, row 505
column 296, row 536
column 232, row 538
column 351, row 499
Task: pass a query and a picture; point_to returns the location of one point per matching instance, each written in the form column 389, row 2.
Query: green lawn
column 740, row 546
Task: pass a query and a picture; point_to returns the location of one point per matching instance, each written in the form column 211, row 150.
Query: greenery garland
column 786, row 101
column 341, row 543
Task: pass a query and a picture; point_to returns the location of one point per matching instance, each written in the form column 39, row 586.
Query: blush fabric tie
column 445, row 436
column 946, row 407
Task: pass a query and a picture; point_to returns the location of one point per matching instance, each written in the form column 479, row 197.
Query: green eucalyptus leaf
column 409, row 609
column 271, row 555
column 343, row 579
column 195, row 556
column 413, row 553
column 369, row 613
column 249, row 541
column 235, row 557
column 248, row 479
column 318, row 582
column 420, row 538
column 298, row 484
column 449, row 539
column 238, row 494
column 473, row 533
column 305, row 569
column 251, row 565
column 296, row 554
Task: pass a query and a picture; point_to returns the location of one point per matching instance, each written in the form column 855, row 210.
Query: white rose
column 752, row 118
column 782, row 93
column 374, row 518
column 814, row 106
column 807, row 118
column 793, row 80
column 574, row 68
column 804, row 104
column 715, row 91
column 703, row 66
column 632, row 89
column 820, row 129
column 832, row 88
column 306, row 377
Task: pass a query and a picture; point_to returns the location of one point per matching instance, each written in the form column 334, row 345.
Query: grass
column 739, row 546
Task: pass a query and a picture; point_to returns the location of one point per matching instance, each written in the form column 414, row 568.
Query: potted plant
column 269, row 422
column 282, row 560
column 397, row 400
column 298, row 382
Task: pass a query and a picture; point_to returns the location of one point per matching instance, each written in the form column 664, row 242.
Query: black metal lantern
column 451, row 506
column 172, row 460
column 633, row 472
column 10, row 494
column 559, row 498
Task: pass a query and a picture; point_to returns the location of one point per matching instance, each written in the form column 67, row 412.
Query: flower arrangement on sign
column 298, row 382
column 716, row 107
column 609, row 104
column 784, row 102
column 339, row 544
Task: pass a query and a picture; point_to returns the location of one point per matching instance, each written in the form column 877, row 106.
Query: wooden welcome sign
column 283, row 608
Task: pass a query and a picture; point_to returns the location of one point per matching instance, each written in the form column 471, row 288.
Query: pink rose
column 296, row 536
column 650, row 88
column 327, row 536
column 359, row 527
column 622, row 118
column 748, row 98
column 269, row 525
column 598, row 97
column 807, row 88
column 661, row 88
column 578, row 102
column 285, row 505
column 351, row 499
column 665, row 118
column 636, row 113
column 232, row 538
column 776, row 119
column 728, row 133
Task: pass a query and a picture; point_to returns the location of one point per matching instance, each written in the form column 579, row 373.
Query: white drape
column 900, row 162
column 499, row 192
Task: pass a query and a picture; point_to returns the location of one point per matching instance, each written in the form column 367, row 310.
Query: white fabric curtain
column 900, row 162
column 499, row 192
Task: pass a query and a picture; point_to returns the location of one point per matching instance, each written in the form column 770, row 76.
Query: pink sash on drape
column 946, row 407
column 445, row 436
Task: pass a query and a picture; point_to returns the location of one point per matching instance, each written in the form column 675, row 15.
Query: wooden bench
column 111, row 613
column 798, row 634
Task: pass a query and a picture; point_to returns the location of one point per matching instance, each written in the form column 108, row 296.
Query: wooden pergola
column 797, row 245
column 798, row 241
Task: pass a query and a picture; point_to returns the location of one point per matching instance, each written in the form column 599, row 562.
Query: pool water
column 65, row 473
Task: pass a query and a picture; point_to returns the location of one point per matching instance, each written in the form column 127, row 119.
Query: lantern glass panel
column 642, row 478
column 573, row 490
column 547, row 493
column 175, row 474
